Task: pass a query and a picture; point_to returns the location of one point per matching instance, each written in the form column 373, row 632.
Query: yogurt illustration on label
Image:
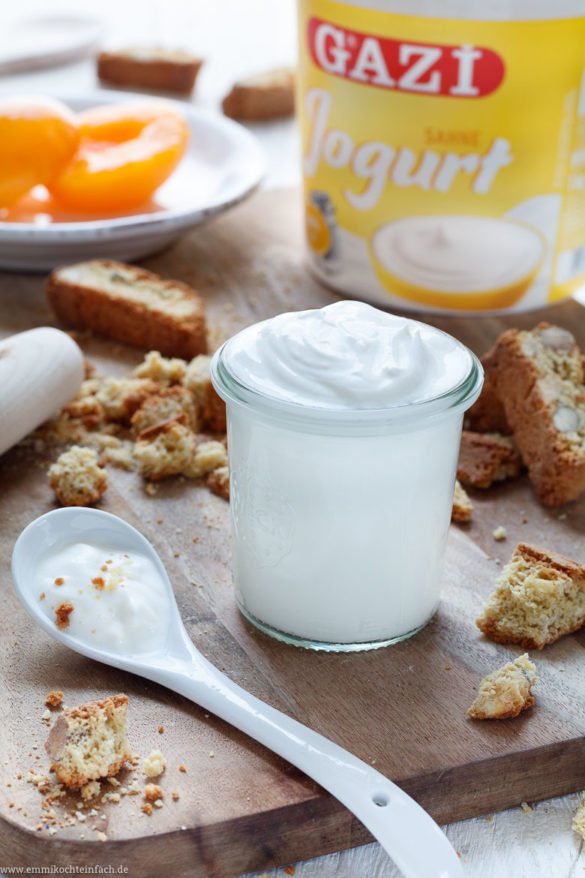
column 458, row 261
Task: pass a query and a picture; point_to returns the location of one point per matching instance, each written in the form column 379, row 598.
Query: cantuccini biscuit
column 150, row 68
column 130, row 305
column 269, row 95
column 538, row 376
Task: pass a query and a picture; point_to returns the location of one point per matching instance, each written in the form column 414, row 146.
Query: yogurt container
column 343, row 433
column 444, row 150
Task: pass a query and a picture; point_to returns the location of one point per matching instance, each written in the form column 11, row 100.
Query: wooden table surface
column 525, row 845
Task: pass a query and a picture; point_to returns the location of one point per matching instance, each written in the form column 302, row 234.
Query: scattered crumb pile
column 92, row 766
column 505, row 692
column 165, row 419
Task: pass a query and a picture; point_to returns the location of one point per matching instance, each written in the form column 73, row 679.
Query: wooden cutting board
column 401, row 708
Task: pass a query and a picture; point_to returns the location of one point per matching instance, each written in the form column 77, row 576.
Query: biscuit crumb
column 161, row 729
column 77, row 478
column 62, row 613
column 182, row 768
column 154, row 764
column 54, row 698
column 528, row 809
column 175, row 796
column 152, row 792
column 146, row 808
column 506, row 692
column 500, row 534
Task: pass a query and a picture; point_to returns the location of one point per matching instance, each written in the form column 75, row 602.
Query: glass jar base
column 324, row 646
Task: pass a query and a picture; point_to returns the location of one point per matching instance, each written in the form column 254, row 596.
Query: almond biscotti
column 89, row 742
column 539, row 597
column 130, row 305
column 538, row 376
column 269, row 95
column 150, row 68
column 506, row 692
column 485, row 458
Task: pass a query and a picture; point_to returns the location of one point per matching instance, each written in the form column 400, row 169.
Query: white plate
column 47, row 41
column 223, row 164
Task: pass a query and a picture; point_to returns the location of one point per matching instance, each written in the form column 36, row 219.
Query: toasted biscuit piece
column 506, row 692
column 269, row 95
column 539, row 597
column 130, row 305
column 219, row 481
column 462, row 505
column 171, row 404
column 485, row 458
column 150, row 68
column 89, row 742
column 210, row 407
column 77, row 478
column 164, row 450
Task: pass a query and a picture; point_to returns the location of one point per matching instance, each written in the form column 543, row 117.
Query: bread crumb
column 528, row 809
column 154, row 764
column 152, row 792
column 158, row 803
column 500, row 534
column 54, row 698
column 89, row 742
column 77, row 478
column 102, row 836
column 208, row 457
column 62, row 613
column 163, row 369
column 46, row 716
column 90, row 790
column 182, row 768
column 146, row 808
column 175, row 796
column 506, row 692
column 462, row 510
column 164, row 450
column 161, row 729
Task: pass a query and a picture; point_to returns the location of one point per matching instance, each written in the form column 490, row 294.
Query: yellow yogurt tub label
column 443, row 159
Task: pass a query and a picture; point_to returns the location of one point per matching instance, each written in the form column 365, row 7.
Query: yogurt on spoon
column 108, row 598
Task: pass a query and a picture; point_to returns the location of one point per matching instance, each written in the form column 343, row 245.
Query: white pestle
column 41, row 370
column 409, row 835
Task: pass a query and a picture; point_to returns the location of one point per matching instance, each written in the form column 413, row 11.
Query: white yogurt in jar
column 107, row 598
column 344, row 428
column 347, row 355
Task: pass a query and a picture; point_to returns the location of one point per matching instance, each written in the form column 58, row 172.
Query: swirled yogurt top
column 347, row 356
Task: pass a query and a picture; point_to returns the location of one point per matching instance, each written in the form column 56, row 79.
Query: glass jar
column 340, row 517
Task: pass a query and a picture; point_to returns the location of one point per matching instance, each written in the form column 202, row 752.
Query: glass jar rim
column 300, row 415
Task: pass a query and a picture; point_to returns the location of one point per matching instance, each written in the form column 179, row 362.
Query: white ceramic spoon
column 409, row 835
